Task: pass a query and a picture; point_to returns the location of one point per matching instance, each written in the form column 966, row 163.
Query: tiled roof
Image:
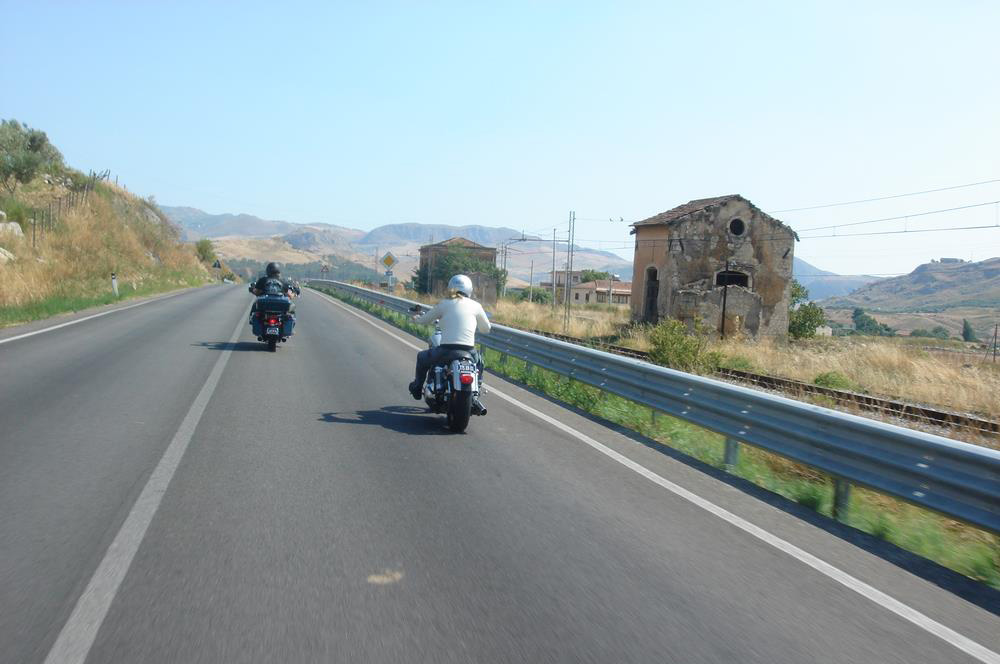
column 688, row 208
column 457, row 242
column 602, row 285
column 677, row 213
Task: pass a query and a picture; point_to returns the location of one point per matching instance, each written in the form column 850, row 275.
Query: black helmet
column 273, row 269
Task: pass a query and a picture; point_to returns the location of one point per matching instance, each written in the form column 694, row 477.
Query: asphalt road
column 172, row 493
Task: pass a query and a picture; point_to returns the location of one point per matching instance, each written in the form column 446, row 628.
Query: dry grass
column 881, row 368
column 584, row 322
column 112, row 232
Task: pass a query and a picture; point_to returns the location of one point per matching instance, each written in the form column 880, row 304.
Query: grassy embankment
column 70, row 266
column 960, row 547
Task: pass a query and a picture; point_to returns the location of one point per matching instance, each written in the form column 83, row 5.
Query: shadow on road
column 225, row 345
column 403, row 419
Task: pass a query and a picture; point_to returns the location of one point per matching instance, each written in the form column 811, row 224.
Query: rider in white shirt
column 461, row 317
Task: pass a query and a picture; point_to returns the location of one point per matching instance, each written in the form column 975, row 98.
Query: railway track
column 795, row 388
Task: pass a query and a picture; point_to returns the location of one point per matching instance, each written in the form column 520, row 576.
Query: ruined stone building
column 710, row 255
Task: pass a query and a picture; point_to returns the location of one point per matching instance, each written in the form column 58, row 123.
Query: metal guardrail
column 957, row 479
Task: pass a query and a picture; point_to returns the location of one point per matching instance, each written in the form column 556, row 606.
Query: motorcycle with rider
column 272, row 316
column 449, row 373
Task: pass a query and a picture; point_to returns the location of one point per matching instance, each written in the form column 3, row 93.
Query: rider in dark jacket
column 273, row 284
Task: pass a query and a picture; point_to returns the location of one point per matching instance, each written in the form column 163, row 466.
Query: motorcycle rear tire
column 459, row 411
column 272, row 345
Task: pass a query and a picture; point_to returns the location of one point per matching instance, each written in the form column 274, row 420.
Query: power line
column 903, row 216
column 886, row 198
column 919, row 230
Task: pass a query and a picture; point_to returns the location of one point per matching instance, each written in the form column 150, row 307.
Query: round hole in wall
column 737, row 227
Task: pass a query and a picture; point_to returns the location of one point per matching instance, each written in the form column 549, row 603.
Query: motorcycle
column 271, row 321
column 453, row 384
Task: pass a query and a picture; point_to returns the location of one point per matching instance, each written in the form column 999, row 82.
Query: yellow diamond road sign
column 389, row 260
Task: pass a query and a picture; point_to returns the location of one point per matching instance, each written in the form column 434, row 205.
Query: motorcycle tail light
column 466, row 379
column 273, row 321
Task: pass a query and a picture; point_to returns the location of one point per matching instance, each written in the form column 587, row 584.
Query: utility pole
column 505, row 246
column 993, row 344
column 553, row 270
column 569, row 270
column 531, row 280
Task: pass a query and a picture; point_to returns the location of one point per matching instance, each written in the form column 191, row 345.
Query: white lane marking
column 963, row 643
column 78, row 634
column 91, row 317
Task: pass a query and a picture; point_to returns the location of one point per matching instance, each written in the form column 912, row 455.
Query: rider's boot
column 416, row 390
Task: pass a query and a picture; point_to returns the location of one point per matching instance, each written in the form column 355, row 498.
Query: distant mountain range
column 936, row 286
column 246, row 237
column 822, row 284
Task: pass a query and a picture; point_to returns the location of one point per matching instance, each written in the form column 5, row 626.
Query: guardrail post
column 841, row 498
column 731, row 456
column 652, row 417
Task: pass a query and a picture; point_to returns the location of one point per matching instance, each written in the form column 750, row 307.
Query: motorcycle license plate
column 272, row 330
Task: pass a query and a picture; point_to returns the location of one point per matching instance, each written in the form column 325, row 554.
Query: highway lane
column 319, row 515
column 85, row 410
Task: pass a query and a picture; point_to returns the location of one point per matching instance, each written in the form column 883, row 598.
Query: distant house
column 430, row 253
column 598, row 292
column 560, row 277
column 824, row 331
column 721, row 260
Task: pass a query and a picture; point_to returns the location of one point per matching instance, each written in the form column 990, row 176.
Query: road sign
column 325, row 269
column 389, row 260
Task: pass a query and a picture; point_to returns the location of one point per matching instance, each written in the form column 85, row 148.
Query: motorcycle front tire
column 459, row 411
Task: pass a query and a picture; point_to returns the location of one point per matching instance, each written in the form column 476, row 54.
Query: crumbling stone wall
column 691, row 251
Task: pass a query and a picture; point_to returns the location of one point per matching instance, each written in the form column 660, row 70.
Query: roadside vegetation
column 896, row 367
column 75, row 230
column 962, row 548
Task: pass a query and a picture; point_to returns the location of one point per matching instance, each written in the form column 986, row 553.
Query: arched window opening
column 732, row 278
column 737, row 227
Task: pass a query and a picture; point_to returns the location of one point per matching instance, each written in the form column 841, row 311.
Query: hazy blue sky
column 363, row 114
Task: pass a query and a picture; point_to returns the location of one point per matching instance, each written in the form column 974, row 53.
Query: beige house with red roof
column 602, row 291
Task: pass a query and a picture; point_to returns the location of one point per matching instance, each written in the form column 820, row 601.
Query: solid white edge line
column 77, row 635
column 93, row 316
column 963, row 643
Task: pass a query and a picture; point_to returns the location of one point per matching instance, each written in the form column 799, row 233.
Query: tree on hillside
column 205, row 250
column 803, row 316
column 593, row 275
column 967, row 333
column 456, row 260
column 23, row 153
column 865, row 324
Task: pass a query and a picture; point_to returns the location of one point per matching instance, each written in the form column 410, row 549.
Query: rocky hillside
column 68, row 263
column 932, row 287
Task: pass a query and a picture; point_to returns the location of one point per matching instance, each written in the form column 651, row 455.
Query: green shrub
column 739, row 363
column 803, row 316
column 671, row 345
column 205, row 249
column 834, row 380
column 17, row 211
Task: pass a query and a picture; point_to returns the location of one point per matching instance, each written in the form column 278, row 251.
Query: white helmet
column 460, row 285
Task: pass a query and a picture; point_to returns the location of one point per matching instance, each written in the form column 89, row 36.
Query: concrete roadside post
column 114, row 284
